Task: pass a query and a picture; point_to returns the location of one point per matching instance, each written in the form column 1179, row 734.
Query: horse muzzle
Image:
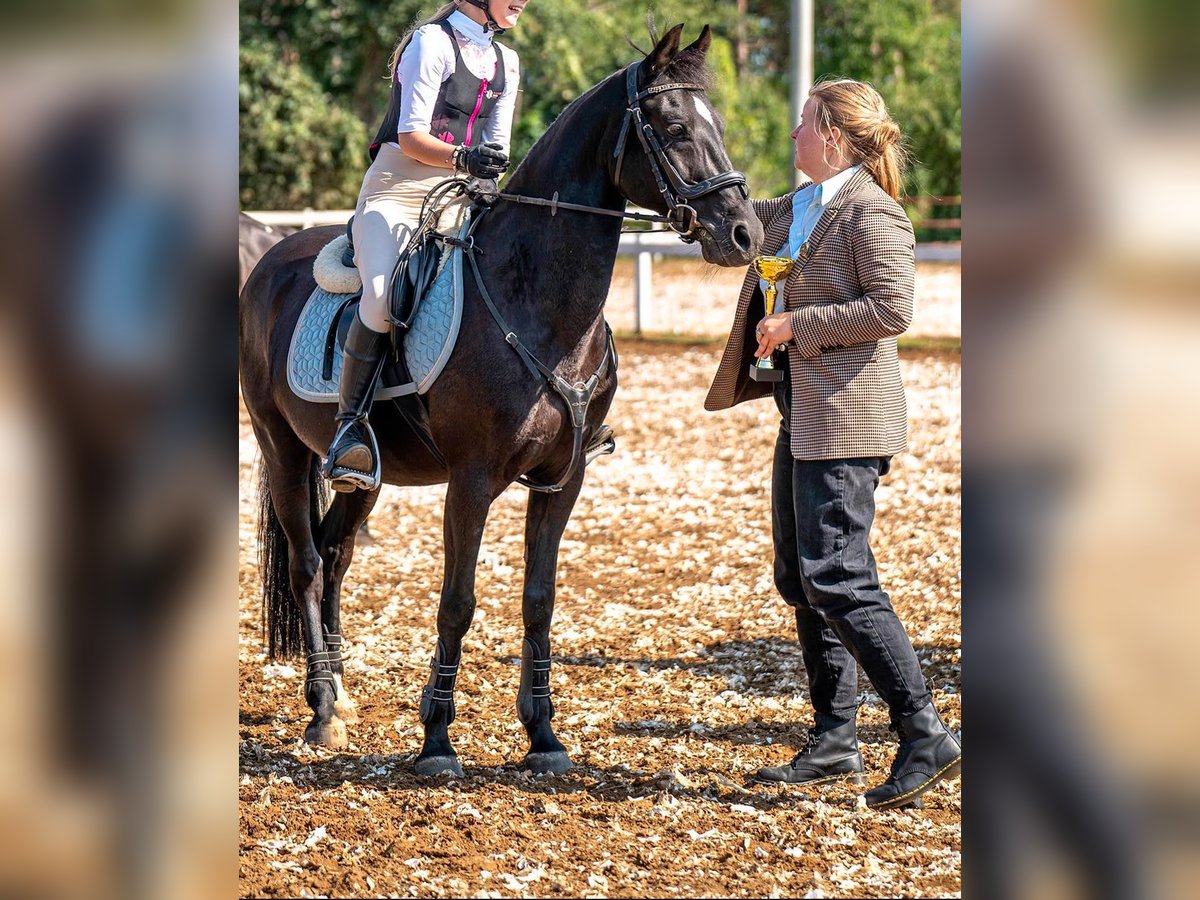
column 734, row 241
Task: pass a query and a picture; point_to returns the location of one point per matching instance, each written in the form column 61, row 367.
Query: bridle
column 681, row 217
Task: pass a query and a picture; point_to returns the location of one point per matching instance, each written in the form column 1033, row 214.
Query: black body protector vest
column 463, row 105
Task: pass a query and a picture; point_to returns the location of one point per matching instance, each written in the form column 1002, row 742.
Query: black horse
column 645, row 134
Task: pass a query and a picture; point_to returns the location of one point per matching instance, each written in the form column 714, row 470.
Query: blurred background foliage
column 314, row 81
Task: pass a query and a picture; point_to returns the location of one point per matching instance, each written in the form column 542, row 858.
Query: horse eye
column 675, row 130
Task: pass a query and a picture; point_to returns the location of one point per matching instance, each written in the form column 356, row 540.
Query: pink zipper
column 478, row 103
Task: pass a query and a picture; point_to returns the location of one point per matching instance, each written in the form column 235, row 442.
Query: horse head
column 670, row 154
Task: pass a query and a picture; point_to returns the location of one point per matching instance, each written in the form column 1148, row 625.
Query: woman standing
column 850, row 292
column 451, row 109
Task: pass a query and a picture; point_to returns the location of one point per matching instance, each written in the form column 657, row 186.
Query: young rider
column 451, row 109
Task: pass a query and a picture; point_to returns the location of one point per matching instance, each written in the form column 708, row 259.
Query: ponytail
column 871, row 134
column 402, row 44
column 888, row 166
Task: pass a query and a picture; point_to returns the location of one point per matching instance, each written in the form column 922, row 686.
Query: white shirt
column 428, row 62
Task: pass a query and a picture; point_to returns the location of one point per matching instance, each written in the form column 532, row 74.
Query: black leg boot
column 829, row 754
column 928, row 754
column 353, row 460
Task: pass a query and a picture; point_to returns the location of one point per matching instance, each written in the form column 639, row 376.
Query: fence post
column 308, row 217
column 641, row 295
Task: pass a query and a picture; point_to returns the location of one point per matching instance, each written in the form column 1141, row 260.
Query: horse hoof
column 547, row 763
column 331, row 734
column 438, row 765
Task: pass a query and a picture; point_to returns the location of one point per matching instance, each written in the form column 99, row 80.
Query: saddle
column 411, row 279
column 425, row 309
column 425, row 306
column 422, row 337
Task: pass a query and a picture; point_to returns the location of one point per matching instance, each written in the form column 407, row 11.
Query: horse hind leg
column 339, row 532
column 293, row 482
column 467, row 503
column 545, row 520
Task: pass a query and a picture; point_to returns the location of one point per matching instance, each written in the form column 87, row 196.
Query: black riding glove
column 485, row 161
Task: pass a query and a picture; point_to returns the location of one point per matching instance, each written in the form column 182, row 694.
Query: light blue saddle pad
column 427, row 345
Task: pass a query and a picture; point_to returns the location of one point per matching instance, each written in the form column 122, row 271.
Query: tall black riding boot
column 928, row 754
column 353, row 460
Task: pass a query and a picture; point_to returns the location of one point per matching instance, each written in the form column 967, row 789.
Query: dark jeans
column 824, row 568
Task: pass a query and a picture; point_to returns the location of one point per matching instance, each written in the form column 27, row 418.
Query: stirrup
column 345, row 479
column 603, row 442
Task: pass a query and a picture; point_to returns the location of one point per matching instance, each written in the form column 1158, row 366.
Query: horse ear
column 702, row 43
column 663, row 53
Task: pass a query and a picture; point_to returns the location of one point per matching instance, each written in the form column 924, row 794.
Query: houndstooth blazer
column 850, row 294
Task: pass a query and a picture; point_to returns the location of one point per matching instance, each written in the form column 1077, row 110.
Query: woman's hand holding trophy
column 771, row 269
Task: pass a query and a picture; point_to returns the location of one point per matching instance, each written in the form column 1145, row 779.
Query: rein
column 555, row 205
column 681, row 217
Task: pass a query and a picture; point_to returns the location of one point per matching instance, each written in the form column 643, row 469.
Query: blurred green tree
column 909, row 49
column 298, row 147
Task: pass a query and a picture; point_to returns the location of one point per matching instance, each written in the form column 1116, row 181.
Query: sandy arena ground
column 676, row 676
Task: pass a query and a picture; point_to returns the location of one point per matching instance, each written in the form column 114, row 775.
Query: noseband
column 681, row 217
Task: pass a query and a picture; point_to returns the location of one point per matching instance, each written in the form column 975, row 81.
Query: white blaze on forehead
column 705, row 112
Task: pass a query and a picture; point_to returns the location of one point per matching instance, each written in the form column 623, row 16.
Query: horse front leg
column 545, row 520
column 467, row 503
column 338, row 535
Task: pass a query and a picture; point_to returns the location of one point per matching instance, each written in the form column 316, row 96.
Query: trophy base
column 767, row 375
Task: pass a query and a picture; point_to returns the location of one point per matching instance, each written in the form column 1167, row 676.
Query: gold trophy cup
column 773, row 269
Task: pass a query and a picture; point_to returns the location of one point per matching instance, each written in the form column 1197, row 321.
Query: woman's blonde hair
column 871, row 134
column 394, row 60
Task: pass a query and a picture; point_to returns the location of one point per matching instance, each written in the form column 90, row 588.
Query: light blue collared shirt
column 807, row 206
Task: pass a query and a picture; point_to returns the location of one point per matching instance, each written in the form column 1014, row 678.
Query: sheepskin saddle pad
column 315, row 355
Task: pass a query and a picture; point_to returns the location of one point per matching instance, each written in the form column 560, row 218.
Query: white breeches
column 389, row 209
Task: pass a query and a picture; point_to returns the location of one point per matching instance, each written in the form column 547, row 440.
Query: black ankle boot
column 928, row 754
column 353, row 460
column 829, row 755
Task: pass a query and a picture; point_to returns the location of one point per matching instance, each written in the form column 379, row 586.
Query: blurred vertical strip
column 1081, row 391
column 118, row 188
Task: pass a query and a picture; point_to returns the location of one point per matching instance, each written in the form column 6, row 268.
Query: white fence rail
column 303, row 218
column 645, row 245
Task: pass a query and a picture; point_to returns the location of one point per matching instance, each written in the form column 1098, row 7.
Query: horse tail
column 281, row 612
